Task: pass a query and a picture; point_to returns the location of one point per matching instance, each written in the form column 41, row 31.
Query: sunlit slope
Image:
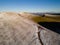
column 37, row 18
column 46, row 19
column 16, row 30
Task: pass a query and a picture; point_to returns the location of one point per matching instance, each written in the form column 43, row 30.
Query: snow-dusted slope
column 16, row 30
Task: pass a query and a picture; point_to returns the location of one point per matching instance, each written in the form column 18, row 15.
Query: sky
column 30, row 5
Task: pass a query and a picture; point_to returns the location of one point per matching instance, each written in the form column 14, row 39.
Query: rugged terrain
column 22, row 29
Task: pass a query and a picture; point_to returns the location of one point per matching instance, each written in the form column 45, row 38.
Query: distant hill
column 53, row 13
column 41, row 18
column 46, row 13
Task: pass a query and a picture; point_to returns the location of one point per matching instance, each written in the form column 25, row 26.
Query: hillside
column 37, row 18
column 20, row 29
column 17, row 30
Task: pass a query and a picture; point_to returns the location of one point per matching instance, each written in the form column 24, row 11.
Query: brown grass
column 45, row 19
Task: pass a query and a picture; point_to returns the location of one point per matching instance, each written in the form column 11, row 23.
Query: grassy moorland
column 46, row 19
column 38, row 18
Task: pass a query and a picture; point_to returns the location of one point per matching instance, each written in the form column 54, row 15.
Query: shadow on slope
column 54, row 26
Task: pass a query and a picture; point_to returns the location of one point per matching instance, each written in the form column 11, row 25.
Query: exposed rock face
column 17, row 30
